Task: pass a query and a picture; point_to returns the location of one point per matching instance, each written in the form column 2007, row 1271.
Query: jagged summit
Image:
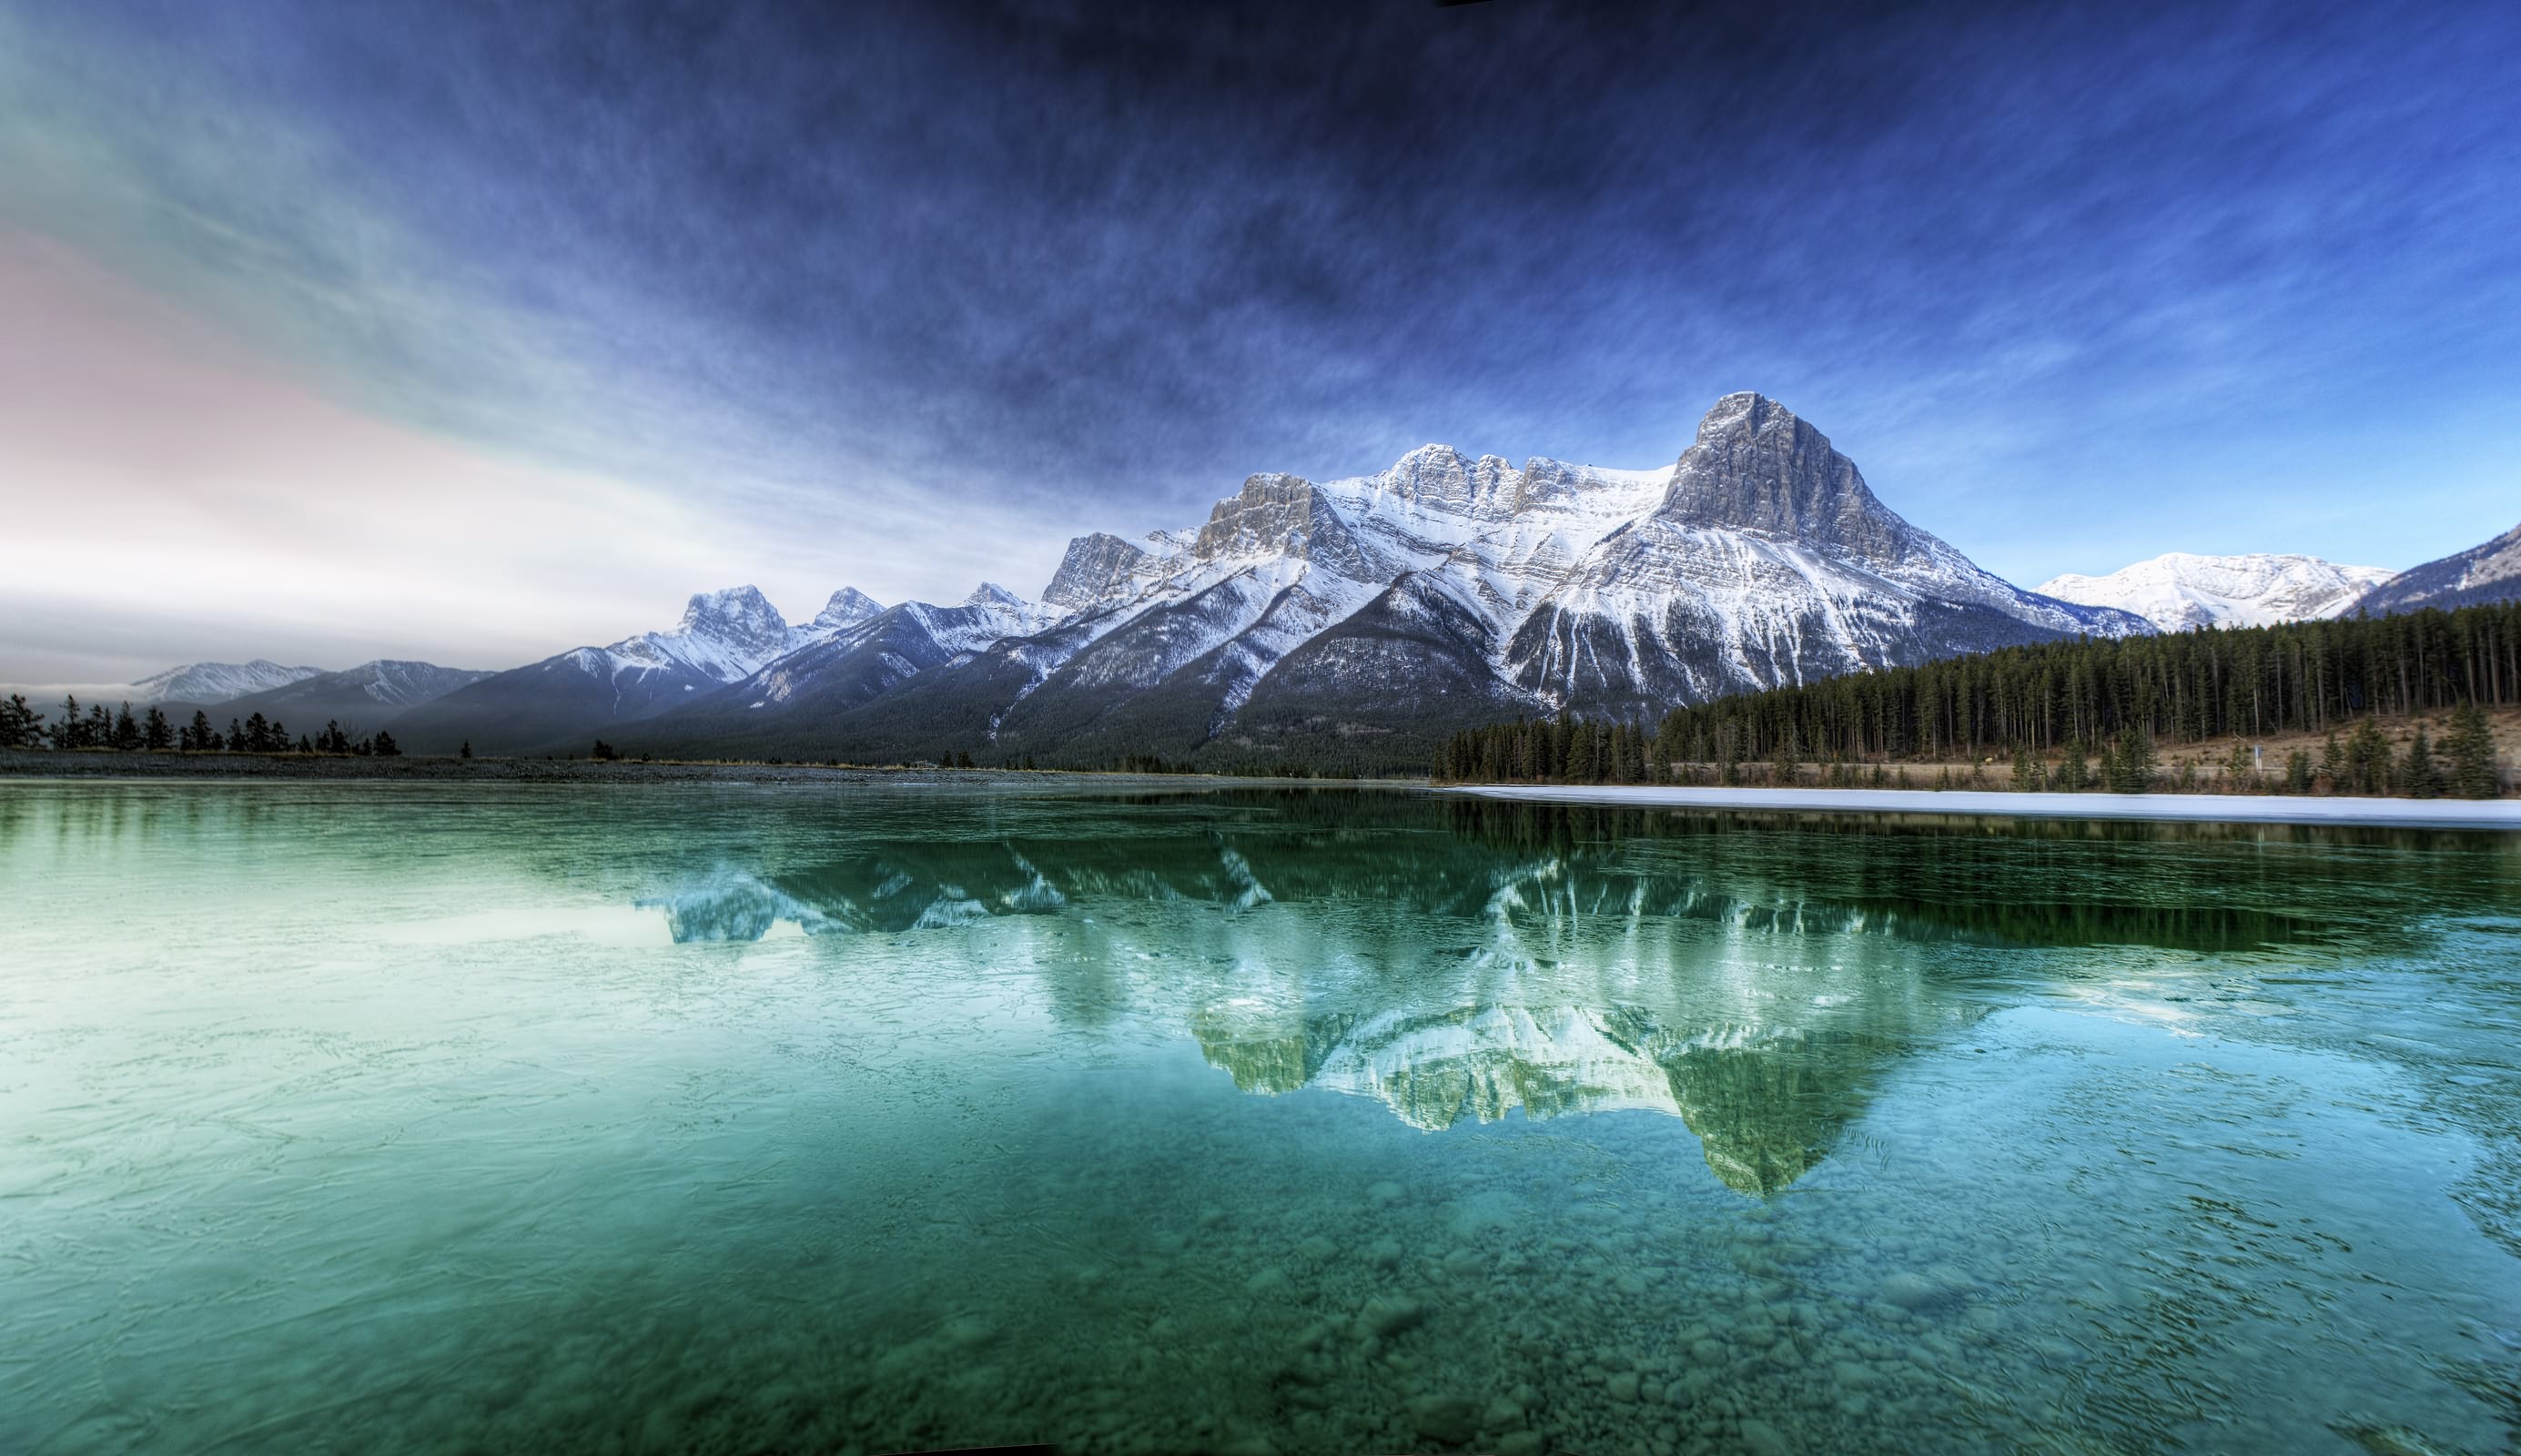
column 990, row 594
column 2489, row 572
column 1756, row 466
column 1095, row 567
column 847, row 608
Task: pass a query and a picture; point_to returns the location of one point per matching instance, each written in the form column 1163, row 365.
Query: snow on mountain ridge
column 207, row 683
column 2180, row 590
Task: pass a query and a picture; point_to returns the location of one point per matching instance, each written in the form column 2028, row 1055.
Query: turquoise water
column 418, row 1118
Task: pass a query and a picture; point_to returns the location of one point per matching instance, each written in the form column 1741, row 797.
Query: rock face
column 2490, row 573
column 1357, row 620
column 2177, row 591
column 207, row 683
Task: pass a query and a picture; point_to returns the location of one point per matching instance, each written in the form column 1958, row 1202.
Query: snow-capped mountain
column 2490, row 573
column 360, row 698
column 2177, row 590
column 723, row 637
column 1370, row 614
column 207, row 683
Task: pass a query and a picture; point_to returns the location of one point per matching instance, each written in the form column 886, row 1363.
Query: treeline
column 2087, row 713
column 24, row 727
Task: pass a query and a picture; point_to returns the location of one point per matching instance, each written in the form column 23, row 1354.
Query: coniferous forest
column 24, row 726
column 2087, row 713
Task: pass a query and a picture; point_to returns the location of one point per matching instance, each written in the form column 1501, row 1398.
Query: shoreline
column 2192, row 809
column 40, row 766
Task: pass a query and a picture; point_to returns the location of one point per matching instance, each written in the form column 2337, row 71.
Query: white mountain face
column 2177, row 590
column 207, row 683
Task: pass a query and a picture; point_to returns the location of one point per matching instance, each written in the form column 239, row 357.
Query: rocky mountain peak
column 1096, row 566
column 1757, row 468
column 847, row 608
column 740, row 613
column 990, row 594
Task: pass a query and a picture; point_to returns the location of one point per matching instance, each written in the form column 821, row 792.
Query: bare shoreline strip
column 2228, row 808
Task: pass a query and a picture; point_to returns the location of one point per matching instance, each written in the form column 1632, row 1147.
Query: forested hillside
column 2121, row 699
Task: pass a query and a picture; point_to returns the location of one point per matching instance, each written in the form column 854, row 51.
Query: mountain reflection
column 1464, row 961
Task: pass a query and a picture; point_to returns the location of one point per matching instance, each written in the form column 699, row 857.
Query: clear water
column 422, row 1119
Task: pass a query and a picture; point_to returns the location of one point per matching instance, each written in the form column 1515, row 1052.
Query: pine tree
column 2333, row 763
column 1790, row 757
column 2368, row 758
column 2299, row 774
column 2132, row 761
column 2075, row 771
column 604, row 752
column 156, row 733
column 100, row 727
column 2470, row 746
column 205, row 737
column 2420, row 776
column 127, row 729
column 21, row 726
column 465, row 752
column 236, row 737
column 385, row 747
column 69, row 731
column 2240, row 775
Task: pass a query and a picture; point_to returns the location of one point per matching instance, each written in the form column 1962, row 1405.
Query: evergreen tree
column 156, row 734
column 2030, row 771
column 2470, row 745
column 2130, row 763
column 236, row 737
column 257, row 733
column 98, row 733
column 604, row 752
column 962, row 759
column 2420, row 776
column 69, row 731
column 2299, row 774
column 465, row 752
column 385, row 747
column 1790, row 757
column 2075, row 771
column 127, row 729
column 206, row 738
column 305, row 744
column 2368, row 758
column 2240, row 775
column 21, row 726
column 2333, row 763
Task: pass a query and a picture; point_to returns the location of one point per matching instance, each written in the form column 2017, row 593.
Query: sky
column 474, row 332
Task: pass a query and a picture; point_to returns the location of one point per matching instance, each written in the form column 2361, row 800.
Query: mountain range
column 2177, row 591
column 1351, row 622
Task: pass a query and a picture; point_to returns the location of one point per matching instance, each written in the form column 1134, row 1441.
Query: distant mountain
column 360, row 698
column 2177, row 591
column 2490, row 573
column 562, row 703
column 1357, row 620
column 207, row 683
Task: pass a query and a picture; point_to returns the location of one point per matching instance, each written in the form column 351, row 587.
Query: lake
column 433, row 1118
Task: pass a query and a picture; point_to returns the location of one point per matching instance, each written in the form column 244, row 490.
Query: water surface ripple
column 425, row 1117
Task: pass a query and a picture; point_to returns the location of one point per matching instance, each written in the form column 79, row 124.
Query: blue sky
column 498, row 329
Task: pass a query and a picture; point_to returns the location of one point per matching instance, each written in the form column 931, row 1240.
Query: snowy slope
column 2177, row 590
column 366, row 697
column 2488, row 572
column 207, row 683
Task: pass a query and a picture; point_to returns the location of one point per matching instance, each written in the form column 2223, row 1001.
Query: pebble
column 1623, row 1388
